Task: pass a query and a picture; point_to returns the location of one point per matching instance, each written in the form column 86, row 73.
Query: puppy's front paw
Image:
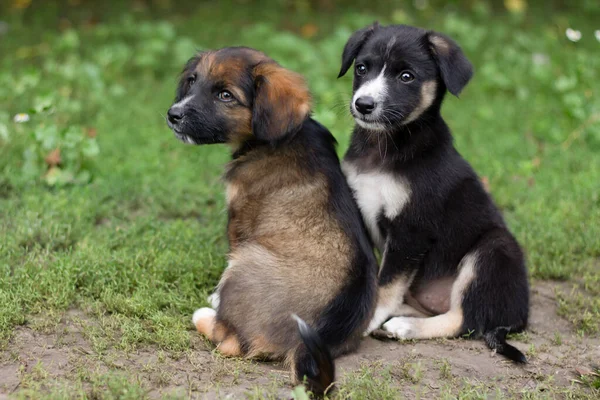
column 401, row 327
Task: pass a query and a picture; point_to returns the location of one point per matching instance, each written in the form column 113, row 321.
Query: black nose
column 365, row 105
column 175, row 115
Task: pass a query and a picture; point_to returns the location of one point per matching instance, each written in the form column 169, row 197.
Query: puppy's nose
column 365, row 104
column 175, row 115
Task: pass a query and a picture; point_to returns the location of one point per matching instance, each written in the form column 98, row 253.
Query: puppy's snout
column 175, row 115
column 365, row 104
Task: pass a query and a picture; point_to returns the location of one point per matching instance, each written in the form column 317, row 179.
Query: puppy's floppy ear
column 455, row 69
column 354, row 44
column 281, row 101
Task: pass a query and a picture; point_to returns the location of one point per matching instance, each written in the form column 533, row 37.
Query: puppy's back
column 298, row 246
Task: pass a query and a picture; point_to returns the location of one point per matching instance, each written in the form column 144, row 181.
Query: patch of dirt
column 67, row 356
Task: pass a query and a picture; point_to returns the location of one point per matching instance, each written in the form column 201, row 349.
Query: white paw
column 214, row 300
column 201, row 313
column 401, row 327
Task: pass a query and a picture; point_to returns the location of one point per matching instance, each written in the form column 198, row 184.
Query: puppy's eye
column 406, row 77
column 191, row 80
column 361, row 69
column 225, row 96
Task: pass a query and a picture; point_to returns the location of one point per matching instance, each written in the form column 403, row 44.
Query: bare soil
column 67, row 356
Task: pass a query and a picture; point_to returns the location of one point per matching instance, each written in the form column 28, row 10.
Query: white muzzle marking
column 377, row 89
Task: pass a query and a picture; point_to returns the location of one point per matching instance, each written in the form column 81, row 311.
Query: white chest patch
column 377, row 192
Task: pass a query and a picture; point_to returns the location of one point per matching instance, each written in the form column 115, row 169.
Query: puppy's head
column 236, row 94
column 400, row 72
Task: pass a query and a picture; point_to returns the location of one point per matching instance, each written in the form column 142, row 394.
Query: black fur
column 313, row 360
column 449, row 214
column 340, row 325
column 456, row 71
column 354, row 45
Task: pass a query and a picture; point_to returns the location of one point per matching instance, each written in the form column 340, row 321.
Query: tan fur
column 288, row 252
column 282, row 94
column 206, row 326
column 230, row 347
column 440, row 45
column 390, row 300
column 241, row 122
column 286, row 93
column 219, row 333
column 448, row 324
column 203, row 66
column 428, row 92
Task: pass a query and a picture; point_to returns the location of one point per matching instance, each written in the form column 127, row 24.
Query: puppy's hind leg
column 499, row 303
column 445, row 325
column 205, row 320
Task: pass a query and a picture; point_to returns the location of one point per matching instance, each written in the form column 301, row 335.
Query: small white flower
column 573, row 35
column 21, row 117
column 597, row 34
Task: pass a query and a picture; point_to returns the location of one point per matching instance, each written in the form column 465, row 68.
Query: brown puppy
column 298, row 248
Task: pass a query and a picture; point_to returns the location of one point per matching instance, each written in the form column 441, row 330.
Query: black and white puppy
column 449, row 266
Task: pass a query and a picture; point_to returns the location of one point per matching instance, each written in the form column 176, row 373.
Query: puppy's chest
column 378, row 194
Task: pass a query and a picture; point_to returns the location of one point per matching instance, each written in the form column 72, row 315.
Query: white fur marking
column 375, row 88
column 400, row 327
column 201, row 313
column 214, row 299
column 377, row 192
column 182, row 102
column 373, row 126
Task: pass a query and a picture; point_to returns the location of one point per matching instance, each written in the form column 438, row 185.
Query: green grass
column 140, row 241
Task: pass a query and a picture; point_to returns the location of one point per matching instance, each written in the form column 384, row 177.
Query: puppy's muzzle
column 365, row 104
column 175, row 116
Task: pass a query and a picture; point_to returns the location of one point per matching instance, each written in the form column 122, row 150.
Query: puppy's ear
column 281, row 101
column 354, row 44
column 455, row 69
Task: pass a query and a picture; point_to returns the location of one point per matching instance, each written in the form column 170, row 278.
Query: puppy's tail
column 496, row 340
column 312, row 360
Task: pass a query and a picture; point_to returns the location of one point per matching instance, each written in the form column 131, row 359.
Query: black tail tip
column 513, row 354
column 313, row 362
column 496, row 340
